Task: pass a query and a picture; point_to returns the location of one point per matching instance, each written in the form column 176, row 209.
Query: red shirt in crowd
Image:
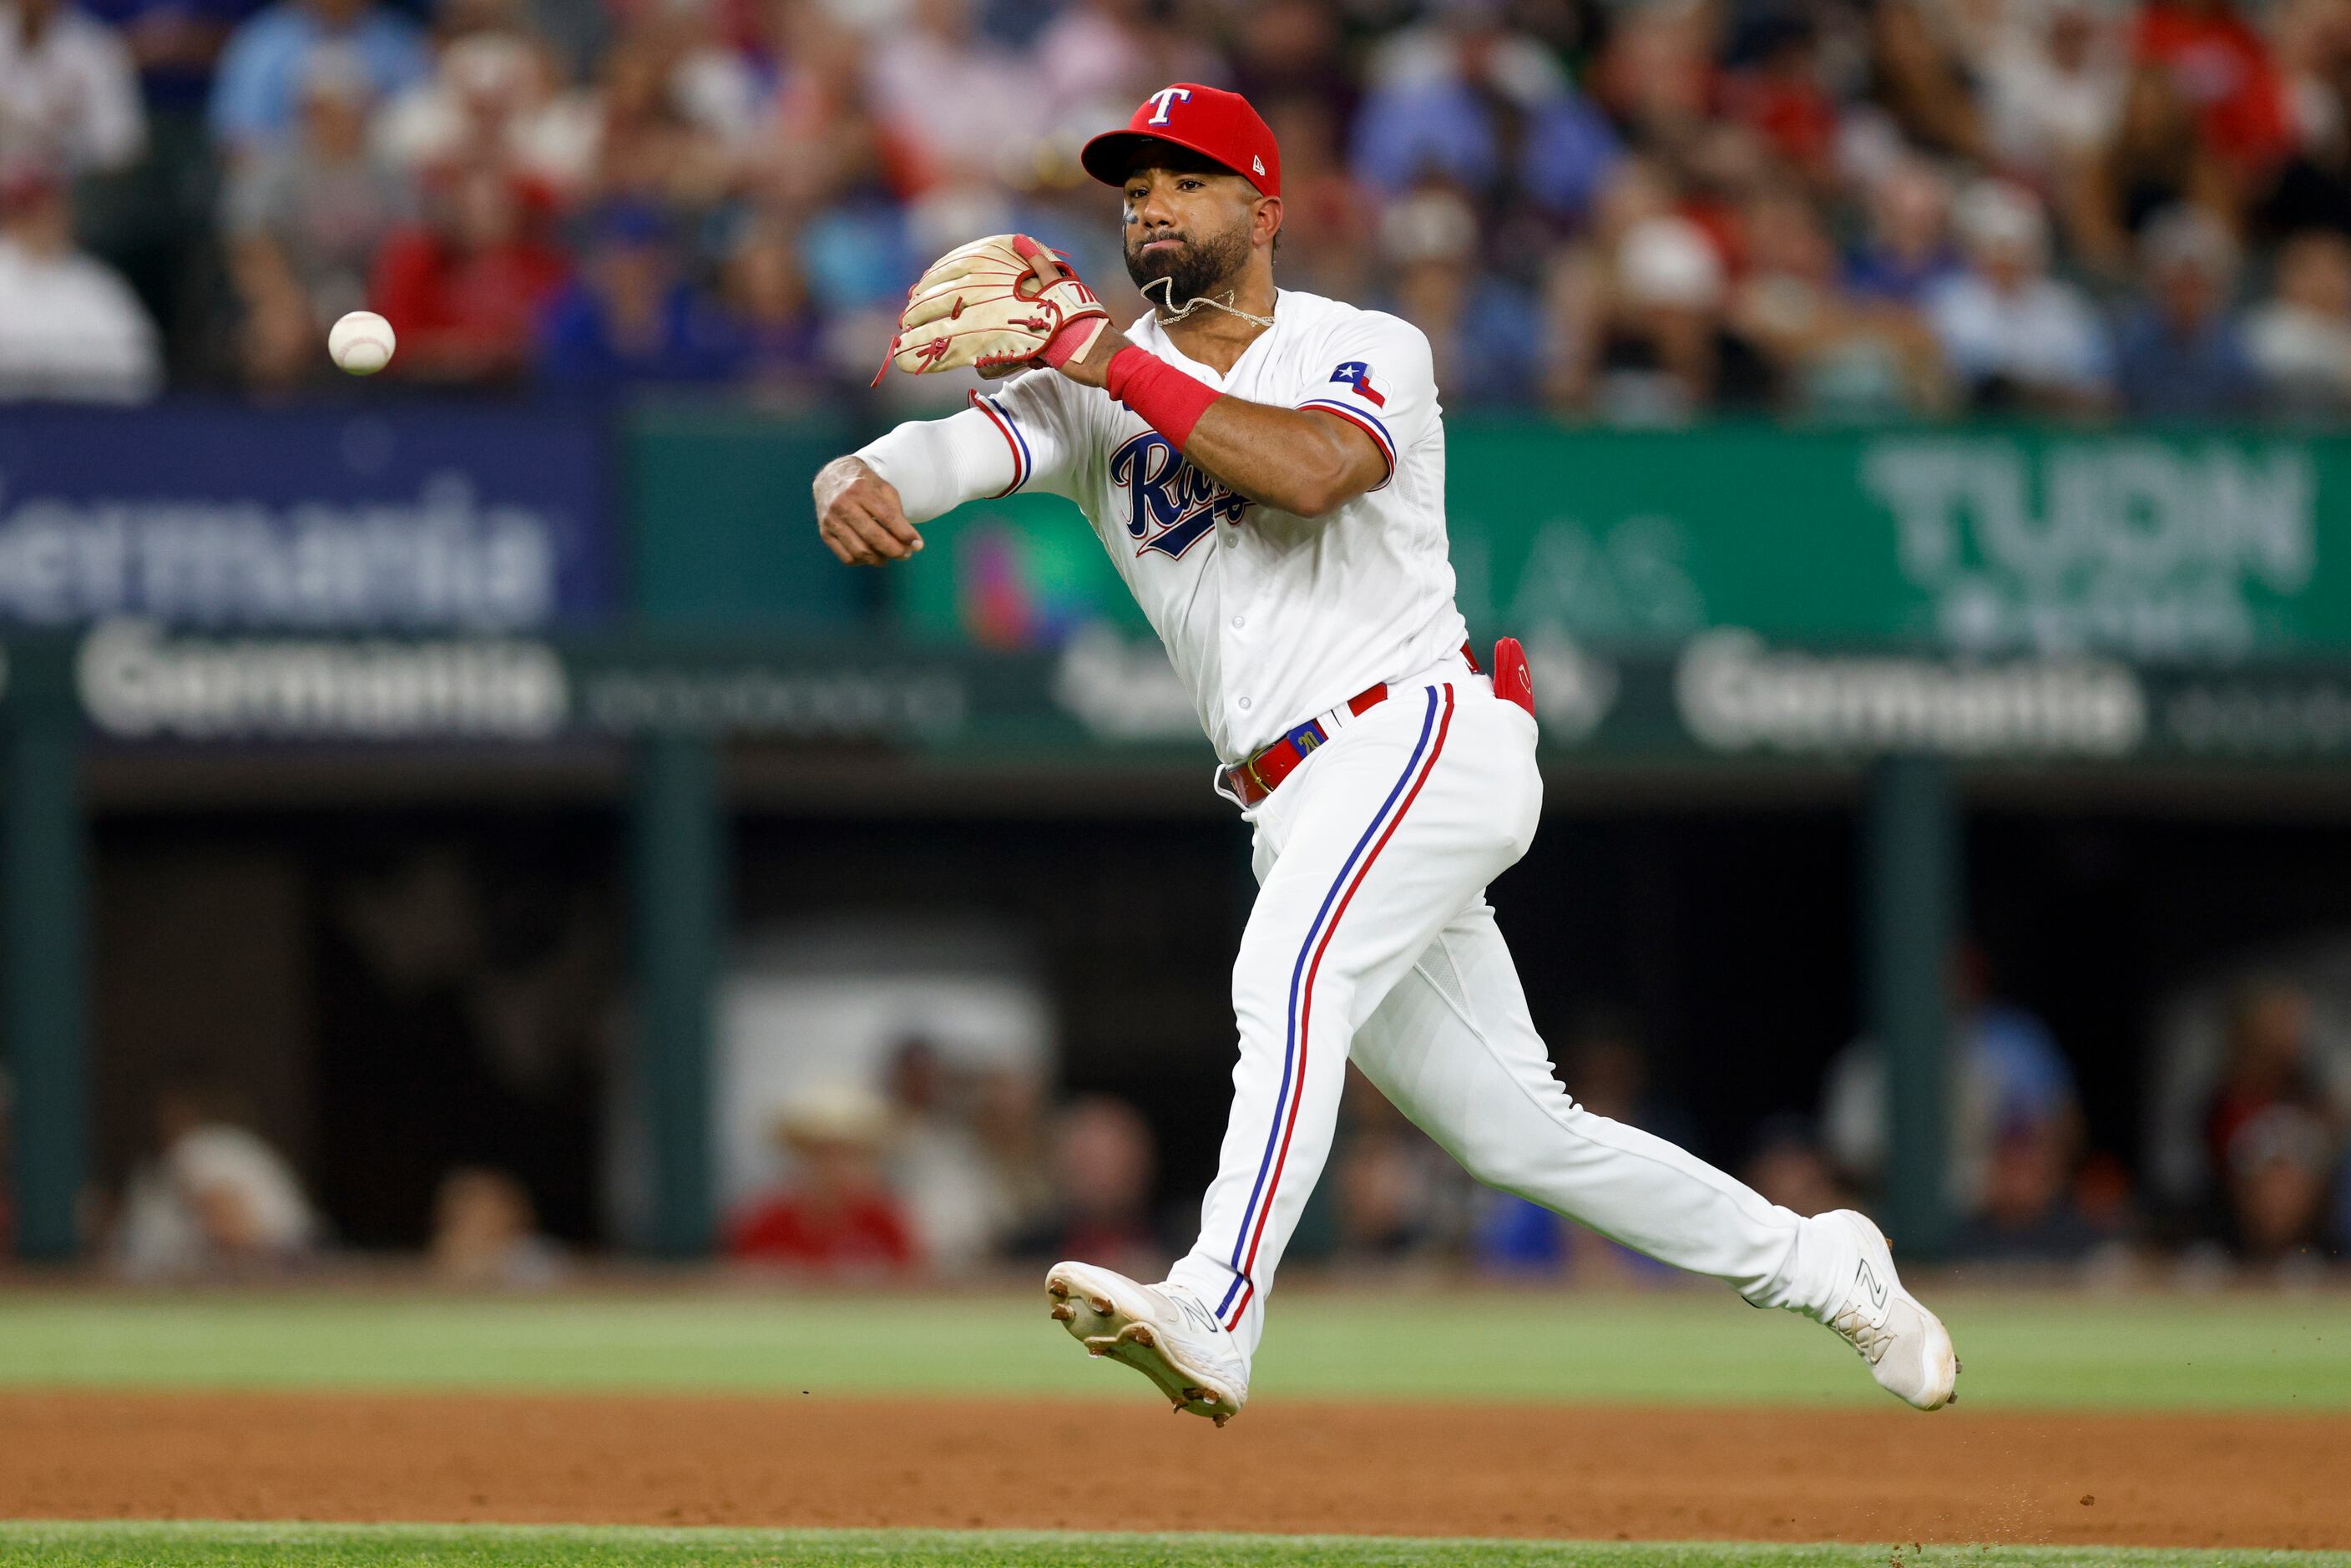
column 464, row 313
column 865, row 1231
column 2221, row 66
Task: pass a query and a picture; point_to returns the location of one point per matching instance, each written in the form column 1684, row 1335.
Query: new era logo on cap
column 1215, row 124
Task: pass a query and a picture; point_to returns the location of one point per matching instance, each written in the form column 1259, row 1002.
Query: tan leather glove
column 997, row 305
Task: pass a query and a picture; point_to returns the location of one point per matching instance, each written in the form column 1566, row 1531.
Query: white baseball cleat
column 1162, row 1331
column 1909, row 1349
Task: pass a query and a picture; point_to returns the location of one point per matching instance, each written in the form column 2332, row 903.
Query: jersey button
column 1244, row 704
column 1239, row 622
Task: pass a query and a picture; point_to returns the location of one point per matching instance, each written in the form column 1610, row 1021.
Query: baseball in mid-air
column 360, row 342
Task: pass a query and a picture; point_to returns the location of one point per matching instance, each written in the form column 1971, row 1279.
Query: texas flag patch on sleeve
column 1358, row 375
column 1359, row 407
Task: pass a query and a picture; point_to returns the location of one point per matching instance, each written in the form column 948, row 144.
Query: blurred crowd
column 1630, row 210
column 941, row 1170
column 944, row 1169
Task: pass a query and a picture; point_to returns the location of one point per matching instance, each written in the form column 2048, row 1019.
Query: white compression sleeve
column 937, row 465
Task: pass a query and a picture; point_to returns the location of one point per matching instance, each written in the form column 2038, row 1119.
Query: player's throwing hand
column 858, row 516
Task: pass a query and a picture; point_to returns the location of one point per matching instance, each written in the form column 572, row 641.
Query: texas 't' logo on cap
column 1216, row 124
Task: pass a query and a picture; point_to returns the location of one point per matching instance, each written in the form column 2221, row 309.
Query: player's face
column 1190, row 225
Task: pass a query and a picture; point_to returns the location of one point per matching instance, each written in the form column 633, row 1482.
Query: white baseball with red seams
column 1371, row 939
column 360, row 342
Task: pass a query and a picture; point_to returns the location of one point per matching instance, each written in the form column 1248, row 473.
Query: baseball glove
column 986, row 306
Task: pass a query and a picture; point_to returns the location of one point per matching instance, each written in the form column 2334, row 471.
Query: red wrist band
column 1170, row 401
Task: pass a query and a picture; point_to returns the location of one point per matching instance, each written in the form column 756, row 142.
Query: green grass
column 388, row 1546
column 2276, row 1353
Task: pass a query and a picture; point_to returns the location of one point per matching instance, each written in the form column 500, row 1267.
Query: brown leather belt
column 1253, row 780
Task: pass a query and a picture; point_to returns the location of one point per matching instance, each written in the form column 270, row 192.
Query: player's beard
column 1194, row 267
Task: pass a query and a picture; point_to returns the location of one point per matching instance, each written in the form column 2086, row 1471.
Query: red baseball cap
column 1214, row 123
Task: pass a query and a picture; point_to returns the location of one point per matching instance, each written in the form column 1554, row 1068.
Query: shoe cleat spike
column 1100, row 1304
column 1141, row 1334
column 1220, row 1418
column 1063, row 1313
column 1057, row 1290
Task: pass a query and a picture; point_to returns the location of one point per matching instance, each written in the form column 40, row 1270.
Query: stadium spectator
column 493, row 93
column 631, row 314
column 1107, row 1162
column 2299, row 339
column 175, row 45
column 1484, row 331
column 2009, row 1080
column 2221, row 66
column 778, row 337
column 937, row 87
column 1780, row 96
column 214, row 1198
column 2312, row 189
column 1465, row 98
column 1789, row 1166
column 2272, row 1132
column 257, row 94
column 1655, row 76
column 936, row 1162
column 813, row 139
column 2182, row 354
column 836, row 1214
column 70, row 329
column 1905, row 250
column 1292, row 52
column 1395, row 1196
column 2053, row 88
column 466, row 286
column 1829, row 352
column 1008, row 1117
column 1926, row 76
column 1664, row 349
column 1329, row 228
column 2028, row 1213
column 68, row 91
column 485, row 1233
column 2014, row 337
column 2278, row 1174
column 303, row 221
column 2155, row 160
column 669, row 114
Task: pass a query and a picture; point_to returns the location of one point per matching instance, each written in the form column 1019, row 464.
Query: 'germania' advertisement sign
column 410, row 520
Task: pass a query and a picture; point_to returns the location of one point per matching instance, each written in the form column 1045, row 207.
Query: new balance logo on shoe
column 1192, row 1310
column 1875, row 1286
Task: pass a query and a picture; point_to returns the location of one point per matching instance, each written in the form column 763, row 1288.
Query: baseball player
column 1267, row 470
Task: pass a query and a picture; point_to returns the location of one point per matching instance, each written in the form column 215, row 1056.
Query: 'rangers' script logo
column 1169, row 503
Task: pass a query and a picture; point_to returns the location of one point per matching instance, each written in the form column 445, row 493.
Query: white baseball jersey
column 1269, row 618
column 1371, row 939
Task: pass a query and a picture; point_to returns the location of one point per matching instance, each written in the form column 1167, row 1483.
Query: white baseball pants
column 1371, row 939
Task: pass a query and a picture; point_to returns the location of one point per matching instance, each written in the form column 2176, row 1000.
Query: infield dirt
column 1583, row 1472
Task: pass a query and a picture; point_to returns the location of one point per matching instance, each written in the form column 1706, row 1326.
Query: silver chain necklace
column 1168, row 315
